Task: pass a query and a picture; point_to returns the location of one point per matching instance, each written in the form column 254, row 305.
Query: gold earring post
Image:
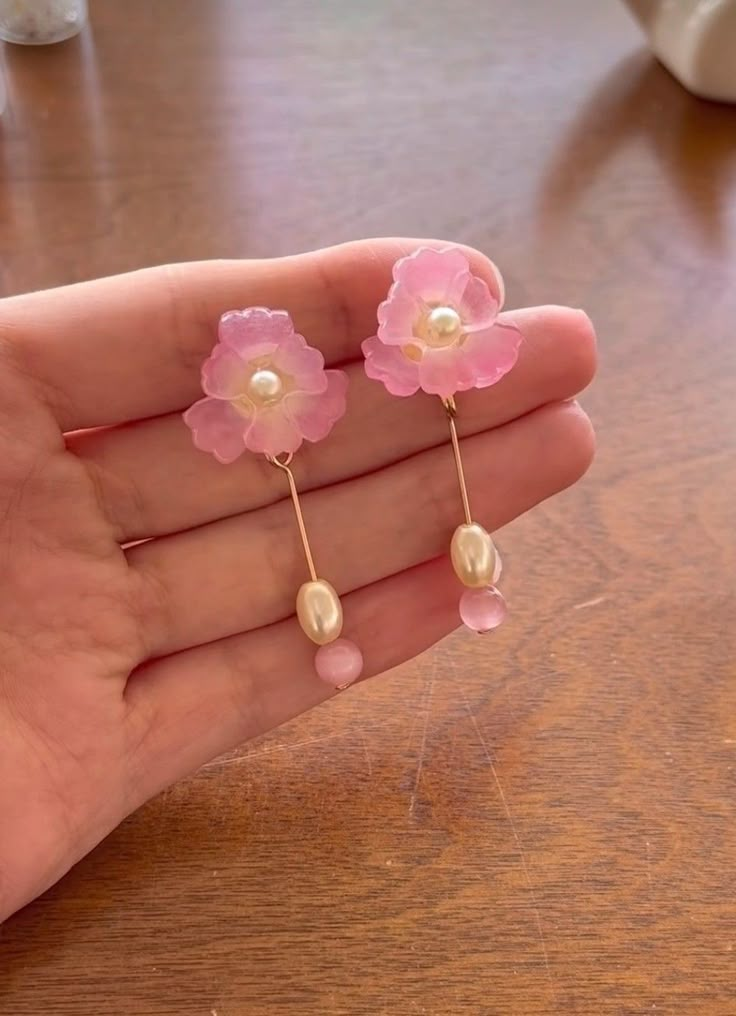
column 318, row 607
column 284, row 466
column 451, row 410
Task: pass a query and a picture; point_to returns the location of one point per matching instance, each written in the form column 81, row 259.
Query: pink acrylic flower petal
column 316, row 415
column 302, row 364
column 268, row 415
column 390, row 365
column 225, row 374
column 273, row 432
column 217, row 428
column 477, row 306
column 397, row 316
column 441, row 372
column 473, row 351
column 492, row 353
column 242, row 330
column 434, row 276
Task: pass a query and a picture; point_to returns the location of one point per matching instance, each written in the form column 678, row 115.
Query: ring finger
column 241, row 573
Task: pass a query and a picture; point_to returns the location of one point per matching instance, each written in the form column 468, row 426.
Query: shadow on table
column 284, row 838
column 692, row 140
column 231, row 849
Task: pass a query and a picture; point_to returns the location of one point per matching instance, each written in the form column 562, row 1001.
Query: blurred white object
column 38, row 22
column 695, row 40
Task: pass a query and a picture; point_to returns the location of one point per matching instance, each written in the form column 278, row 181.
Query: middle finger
column 153, row 481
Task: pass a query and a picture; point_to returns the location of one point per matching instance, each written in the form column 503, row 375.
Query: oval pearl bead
column 473, row 556
column 319, row 611
column 482, row 610
column 339, row 664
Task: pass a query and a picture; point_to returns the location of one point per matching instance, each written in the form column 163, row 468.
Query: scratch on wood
column 590, row 603
column 423, row 745
column 220, row 763
column 412, row 728
column 649, row 864
column 514, row 832
column 364, row 742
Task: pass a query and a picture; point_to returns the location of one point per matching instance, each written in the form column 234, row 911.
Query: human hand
column 127, row 664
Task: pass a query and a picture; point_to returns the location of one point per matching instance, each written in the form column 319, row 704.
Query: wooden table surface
column 541, row 824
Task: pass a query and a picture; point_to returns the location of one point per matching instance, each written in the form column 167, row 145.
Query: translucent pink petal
column 217, row 428
column 389, row 365
column 316, row 415
column 244, row 330
column 434, row 276
column 272, row 431
column 302, row 363
column 313, row 399
column 442, row 372
column 466, row 374
column 492, row 353
column 485, row 352
column 477, row 306
column 225, row 374
column 397, row 316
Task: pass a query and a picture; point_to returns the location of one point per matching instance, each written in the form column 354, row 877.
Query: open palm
column 146, row 621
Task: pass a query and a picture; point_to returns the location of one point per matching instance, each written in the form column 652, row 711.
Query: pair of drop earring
column 267, row 391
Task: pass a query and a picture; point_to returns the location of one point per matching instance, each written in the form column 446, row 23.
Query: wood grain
column 540, row 825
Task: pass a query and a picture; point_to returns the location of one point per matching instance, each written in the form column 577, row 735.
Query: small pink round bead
column 339, row 663
column 482, row 610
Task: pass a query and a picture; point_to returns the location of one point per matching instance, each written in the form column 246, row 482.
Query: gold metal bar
column 451, row 410
column 297, row 511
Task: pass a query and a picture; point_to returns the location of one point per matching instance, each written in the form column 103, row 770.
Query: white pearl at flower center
column 443, row 326
column 265, row 386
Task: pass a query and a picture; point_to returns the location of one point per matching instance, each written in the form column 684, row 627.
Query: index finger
column 131, row 346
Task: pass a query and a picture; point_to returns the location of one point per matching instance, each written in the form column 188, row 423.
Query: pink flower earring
column 438, row 331
column 267, row 391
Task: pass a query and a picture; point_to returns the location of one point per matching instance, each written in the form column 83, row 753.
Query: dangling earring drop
column 474, row 556
column 438, row 331
column 267, row 391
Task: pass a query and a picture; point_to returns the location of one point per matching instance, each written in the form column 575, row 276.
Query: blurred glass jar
column 38, row 22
